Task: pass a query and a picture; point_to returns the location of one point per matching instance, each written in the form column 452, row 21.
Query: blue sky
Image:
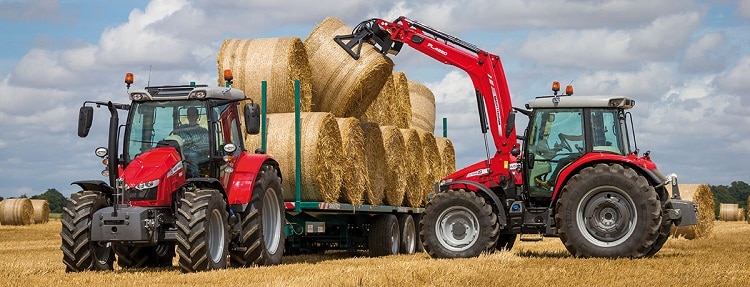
column 685, row 62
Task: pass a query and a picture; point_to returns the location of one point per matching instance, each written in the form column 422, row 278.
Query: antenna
column 148, row 83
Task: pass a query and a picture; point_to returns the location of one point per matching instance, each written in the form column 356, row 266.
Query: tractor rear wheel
column 160, row 255
column 610, row 211
column 202, row 231
column 384, row 237
column 505, row 242
column 261, row 240
column 408, row 234
column 458, row 224
column 79, row 252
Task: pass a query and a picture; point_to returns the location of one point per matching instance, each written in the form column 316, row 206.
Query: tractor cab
column 564, row 128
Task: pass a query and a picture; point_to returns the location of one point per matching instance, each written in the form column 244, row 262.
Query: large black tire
column 458, row 224
column 202, row 231
column 384, row 237
column 505, row 242
column 79, row 252
column 408, row 234
column 160, row 255
column 608, row 211
column 261, row 240
column 664, row 229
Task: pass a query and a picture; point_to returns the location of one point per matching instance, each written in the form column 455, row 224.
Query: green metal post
column 263, row 103
column 445, row 127
column 297, row 149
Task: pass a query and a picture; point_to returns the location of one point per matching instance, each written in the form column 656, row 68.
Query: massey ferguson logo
column 437, row 49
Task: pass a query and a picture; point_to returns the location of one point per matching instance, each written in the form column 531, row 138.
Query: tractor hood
column 153, row 176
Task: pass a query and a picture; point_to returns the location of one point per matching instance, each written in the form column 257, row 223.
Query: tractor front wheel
column 610, row 211
column 79, row 252
column 202, row 231
column 458, row 224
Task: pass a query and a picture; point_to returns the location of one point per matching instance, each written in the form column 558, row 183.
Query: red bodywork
column 239, row 184
column 152, row 165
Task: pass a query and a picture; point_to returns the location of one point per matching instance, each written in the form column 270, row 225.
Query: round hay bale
column 741, row 214
column 447, row 156
column 354, row 175
column 400, row 104
column 395, row 171
column 748, row 204
column 41, row 210
column 16, row 211
column 375, row 159
column 728, row 212
column 380, row 110
column 422, row 102
column 416, row 175
column 279, row 61
column 700, row 194
column 431, row 160
column 342, row 85
column 321, row 154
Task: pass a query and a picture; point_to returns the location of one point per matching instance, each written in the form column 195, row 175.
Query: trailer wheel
column 79, row 252
column 202, row 231
column 384, row 235
column 608, row 211
column 408, row 234
column 262, row 237
column 458, row 224
column 160, row 255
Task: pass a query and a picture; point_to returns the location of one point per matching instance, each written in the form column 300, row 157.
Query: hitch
column 368, row 31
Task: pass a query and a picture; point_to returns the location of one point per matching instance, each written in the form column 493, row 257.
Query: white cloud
column 702, row 55
column 648, row 83
column 743, row 9
column 734, row 79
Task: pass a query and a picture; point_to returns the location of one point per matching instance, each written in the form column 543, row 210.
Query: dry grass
column 30, row 256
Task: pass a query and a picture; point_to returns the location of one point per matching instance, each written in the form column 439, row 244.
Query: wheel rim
column 457, row 228
column 271, row 221
column 410, row 237
column 216, row 235
column 102, row 252
column 606, row 216
column 394, row 238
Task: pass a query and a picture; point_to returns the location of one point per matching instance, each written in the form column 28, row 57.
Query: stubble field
column 30, row 256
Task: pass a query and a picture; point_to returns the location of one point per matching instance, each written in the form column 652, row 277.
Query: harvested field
column 704, row 262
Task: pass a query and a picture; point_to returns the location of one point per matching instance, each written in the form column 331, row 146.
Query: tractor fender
column 487, row 193
column 95, row 185
column 242, row 181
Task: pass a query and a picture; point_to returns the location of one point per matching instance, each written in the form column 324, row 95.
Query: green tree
column 54, row 198
column 737, row 192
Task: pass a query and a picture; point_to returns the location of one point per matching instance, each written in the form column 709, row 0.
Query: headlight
column 137, row 96
column 147, row 185
column 101, row 152
column 230, row 148
column 200, row 94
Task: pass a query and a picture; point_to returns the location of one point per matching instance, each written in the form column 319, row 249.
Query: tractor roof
column 176, row 93
column 581, row 102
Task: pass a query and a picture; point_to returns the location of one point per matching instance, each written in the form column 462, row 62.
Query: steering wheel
column 564, row 142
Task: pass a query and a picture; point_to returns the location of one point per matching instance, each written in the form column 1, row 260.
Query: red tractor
column 576, row 175
column 183, row 182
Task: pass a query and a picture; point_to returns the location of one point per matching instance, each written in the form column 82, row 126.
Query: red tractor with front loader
column 576, row 175
column 182, row 183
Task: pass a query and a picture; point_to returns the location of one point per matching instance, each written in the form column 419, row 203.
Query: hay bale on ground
column 728, row 211
column 41, row 210
column 447, row 156
column 375, row 160
column 748, row 204
column 279, row 61
column 741, row 214
column 395, row 177
column 16, row 211
column 700, row 194
column 342, row 85
column 355, row 178
column 422, row 102
column 415, row 173
column 400, row 103
column 321, row 154
column 431, row 159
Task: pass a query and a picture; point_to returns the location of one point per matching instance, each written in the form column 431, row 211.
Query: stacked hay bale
column 728, row 212
column 414, row 164
column 16, row 211
column 279, row 61
column 700, row 194
column 381, row 111
column 342, row 85
column 431, row 161
column 401, row 104
column 422, row 107
column 375, row 159
column 355, row 179
column 41, row 211
column 447, row 156
column 395, row 178
column 321, row 154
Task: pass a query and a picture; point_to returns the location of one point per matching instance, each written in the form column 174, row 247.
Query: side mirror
column 85, row 117
column 252, row 118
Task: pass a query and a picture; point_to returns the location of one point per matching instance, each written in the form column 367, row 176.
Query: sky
column 684, row 62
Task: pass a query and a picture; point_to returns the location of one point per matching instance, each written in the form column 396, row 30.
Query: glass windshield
column 153, row 121
column 606, row 133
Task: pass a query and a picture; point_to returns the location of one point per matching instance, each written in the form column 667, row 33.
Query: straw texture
column 279, row 61
column 16, row 211
column 375, row 161
column 447, row 156
column 395, row 172
column 400, row 103
column 422, row 107
column 729, row 212
column 700, row 194
column 321, row 153
column 355, row 179
column 41, row 210
column 381, row 111
column 342, row 85
column 431, row 160
column 415, row 172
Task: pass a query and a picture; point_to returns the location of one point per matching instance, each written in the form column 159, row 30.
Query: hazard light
column 228, row 75
column 569, row 90
column 555, row 87
column 128, row 79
